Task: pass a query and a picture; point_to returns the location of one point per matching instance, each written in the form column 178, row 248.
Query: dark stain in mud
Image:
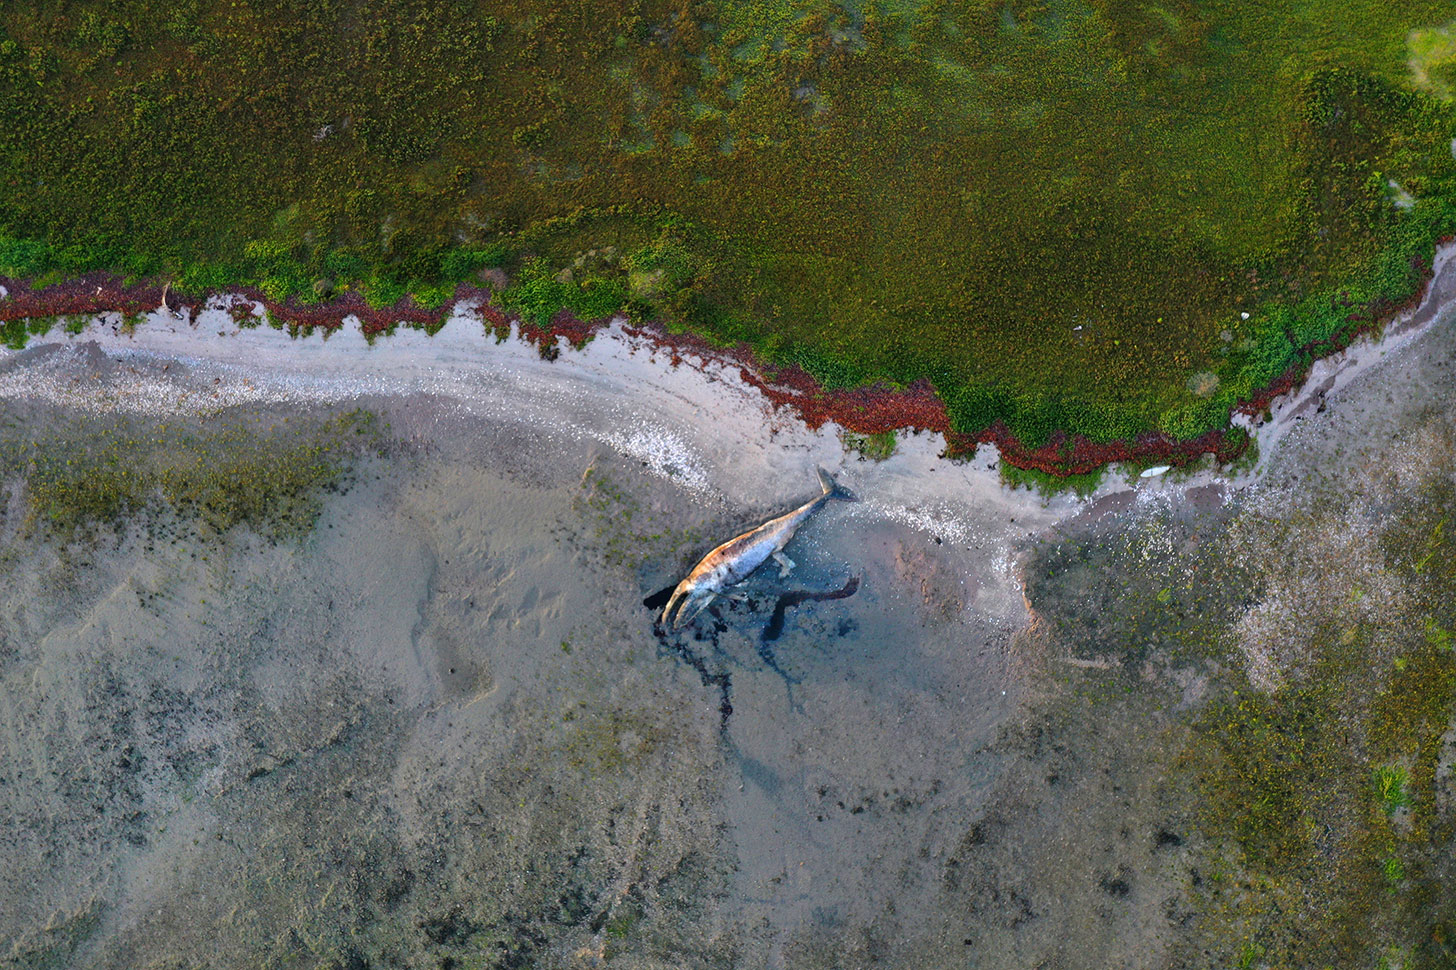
column 787, row 601
column 669, row 642
column 775, row 627
column 719, row 679
column 684, row 649
column 659, row 599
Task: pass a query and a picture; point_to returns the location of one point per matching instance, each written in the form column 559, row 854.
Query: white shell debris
column 1155, row 471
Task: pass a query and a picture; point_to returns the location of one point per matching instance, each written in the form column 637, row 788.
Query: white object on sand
column 1155, row 471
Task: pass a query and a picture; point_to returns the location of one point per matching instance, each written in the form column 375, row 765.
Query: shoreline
column 717, row 429
column 704, row 430
column 870, row 409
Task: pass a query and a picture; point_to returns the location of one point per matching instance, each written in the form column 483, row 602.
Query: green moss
column 1274, row 763
column 1394, row 958
column 620, row 926
column 1437, row 636
column 615, row 531
column 1249, row 954
column 609, row 741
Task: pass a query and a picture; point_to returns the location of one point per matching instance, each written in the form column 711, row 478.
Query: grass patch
column 1391, row 784
column 1433, row 60
column 1048, row 485
column 15, row 334
column 874, row 447
column 92, row 474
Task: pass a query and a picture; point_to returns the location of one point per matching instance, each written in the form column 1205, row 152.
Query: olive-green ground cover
column 1057, row 212
column 266, row 472
column 1299, row 740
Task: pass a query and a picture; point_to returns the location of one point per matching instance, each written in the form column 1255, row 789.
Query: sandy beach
column 437, row 727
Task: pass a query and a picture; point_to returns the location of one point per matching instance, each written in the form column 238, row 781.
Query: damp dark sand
column 438, row 728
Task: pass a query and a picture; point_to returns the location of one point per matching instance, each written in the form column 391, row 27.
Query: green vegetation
column 1048, row 484
column 875, row 447
column 226, row 472
column 540, row 292
column 1322, row 795
column 1293, row 742
column 1433, row 60
column 1057, row 212
column 15, row 334
column 1390, row 783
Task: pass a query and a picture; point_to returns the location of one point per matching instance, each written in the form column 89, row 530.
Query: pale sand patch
column 1429, row 49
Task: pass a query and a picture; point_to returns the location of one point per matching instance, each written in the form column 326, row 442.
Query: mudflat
column 319, row 655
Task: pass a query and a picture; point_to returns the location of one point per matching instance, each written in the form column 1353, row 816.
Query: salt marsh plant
column 1047, row 484
column 875, row 447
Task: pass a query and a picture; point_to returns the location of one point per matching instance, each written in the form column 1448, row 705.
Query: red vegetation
column 878, row 408
column 82, row 296
column 863, row 410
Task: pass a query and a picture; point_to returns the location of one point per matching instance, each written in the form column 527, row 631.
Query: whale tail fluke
column 833, row 490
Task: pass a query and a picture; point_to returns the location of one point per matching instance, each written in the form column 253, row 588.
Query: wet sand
column 440, row 729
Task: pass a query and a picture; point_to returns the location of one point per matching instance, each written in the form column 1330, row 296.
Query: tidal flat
column 359, row 675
